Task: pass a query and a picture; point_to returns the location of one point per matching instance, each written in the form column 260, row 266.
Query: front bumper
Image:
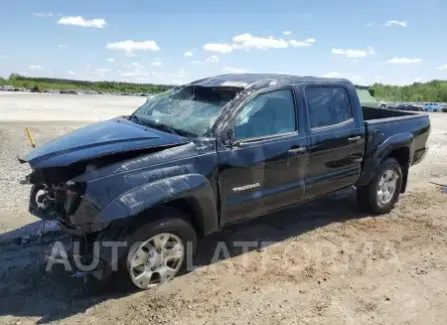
column 74, row 255
column 64, row 222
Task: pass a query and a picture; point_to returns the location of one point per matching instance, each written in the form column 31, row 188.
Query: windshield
column 187, row 111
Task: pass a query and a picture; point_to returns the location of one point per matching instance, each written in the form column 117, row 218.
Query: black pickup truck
column 214, row 152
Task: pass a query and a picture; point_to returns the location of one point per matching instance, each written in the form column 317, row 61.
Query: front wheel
column 157, row 251
column 382, row 193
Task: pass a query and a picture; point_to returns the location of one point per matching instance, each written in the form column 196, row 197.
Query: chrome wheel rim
column 387, row 186
column 156, row 261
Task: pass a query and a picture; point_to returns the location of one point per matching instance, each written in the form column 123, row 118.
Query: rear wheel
column 382, row 193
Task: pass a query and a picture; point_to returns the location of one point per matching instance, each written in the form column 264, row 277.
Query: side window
column 267, row 114
column 327, row 106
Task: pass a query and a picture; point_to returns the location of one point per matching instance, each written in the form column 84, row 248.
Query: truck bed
column 382, row 124
column 370, row 114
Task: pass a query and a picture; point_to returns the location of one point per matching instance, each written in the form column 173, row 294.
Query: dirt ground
column 323, row 263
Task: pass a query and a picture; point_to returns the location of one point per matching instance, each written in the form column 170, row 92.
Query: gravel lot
column 326, row 262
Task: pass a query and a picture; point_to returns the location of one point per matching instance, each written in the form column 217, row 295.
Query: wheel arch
column 400, row 147
column 191, row 194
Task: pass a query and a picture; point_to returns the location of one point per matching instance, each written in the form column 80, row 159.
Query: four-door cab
column 214, row 152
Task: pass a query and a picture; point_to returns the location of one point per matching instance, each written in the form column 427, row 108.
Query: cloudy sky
column 392, row 41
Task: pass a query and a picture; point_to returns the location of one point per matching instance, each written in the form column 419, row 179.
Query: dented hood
column 97, row 140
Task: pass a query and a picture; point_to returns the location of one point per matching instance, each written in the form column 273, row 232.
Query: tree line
column 45, row 84
column 432, row 91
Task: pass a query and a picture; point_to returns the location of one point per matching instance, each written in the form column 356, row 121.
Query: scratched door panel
column 261, row 177
column 334, row 162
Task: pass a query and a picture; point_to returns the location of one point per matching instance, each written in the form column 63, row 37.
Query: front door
column 264, row 170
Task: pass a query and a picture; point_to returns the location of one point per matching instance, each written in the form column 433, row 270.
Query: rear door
column 265, row 169
column 336, row 139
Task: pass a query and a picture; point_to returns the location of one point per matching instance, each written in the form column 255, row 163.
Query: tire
column 383, row 106
column 368, row 196
column 169, row 222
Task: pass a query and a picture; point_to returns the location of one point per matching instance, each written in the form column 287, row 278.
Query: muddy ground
column 323, row 263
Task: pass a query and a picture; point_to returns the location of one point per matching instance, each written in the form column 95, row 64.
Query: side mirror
column 371, row 91
column 227, row 137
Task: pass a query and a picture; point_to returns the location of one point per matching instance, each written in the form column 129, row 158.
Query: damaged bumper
column 62, row 205
column 75, row 258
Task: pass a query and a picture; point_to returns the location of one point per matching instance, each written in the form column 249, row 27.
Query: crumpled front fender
column 193, row 187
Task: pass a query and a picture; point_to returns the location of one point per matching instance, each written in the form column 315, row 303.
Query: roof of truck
column 244, row 80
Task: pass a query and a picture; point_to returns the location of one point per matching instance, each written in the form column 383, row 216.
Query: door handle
column 353, row 139
column 295, row 151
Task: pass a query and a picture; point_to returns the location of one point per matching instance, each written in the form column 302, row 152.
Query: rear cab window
column 328, row 106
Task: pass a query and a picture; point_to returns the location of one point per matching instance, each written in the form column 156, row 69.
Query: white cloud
column 400, row 23
column 369, row 25
column 157, row 63
column 248, row 42
column 443, row 67
column 110, row 59
column 71, row 73
column 80, row 21
column 35, row 67
column 212, row 59
column 42, row 14
column 188, row 53
column 132, row 46
column 287, row 32
column 354, row 53
column 234, row 70
column 307, row 42
column 62, row 46
column 404, row 60
column 2, row 57
column 218, row 48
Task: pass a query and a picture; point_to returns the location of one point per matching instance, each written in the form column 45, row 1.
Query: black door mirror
column 371, row 91
column 228, row 137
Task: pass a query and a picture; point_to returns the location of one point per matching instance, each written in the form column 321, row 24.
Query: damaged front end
column 77, row 176
column 54, row 196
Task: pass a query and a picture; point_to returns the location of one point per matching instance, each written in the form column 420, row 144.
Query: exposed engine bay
column 55, row 196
